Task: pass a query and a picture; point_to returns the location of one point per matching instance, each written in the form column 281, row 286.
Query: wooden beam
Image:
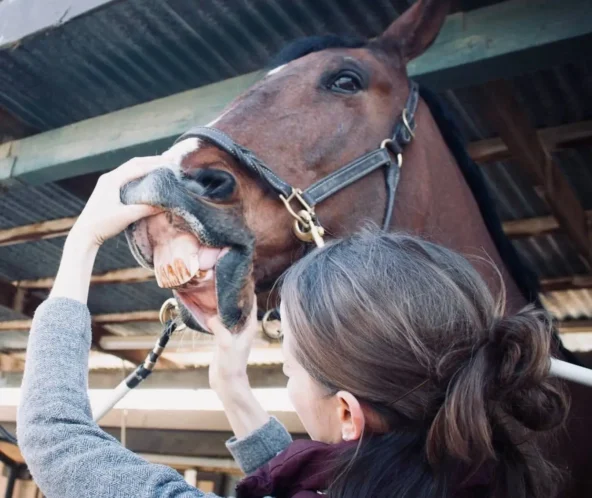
column 105, row 319
column 122, row 276
column 24, row 302
column 533, row 227
column 193, row 419
column 568, row 283
column 191, row 443
column 177, row 343
column 15, row 325
column 36, row 231
column 503, row 110
column 202, row 464
column 558, row 137
column 575, row 327
column 9, row 363
column 260, row 376
column 503, row 39
column 128, row 317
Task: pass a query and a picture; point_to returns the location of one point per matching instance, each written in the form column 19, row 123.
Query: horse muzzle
column 203, row 253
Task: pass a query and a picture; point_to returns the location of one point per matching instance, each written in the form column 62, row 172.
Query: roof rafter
column 503, row 110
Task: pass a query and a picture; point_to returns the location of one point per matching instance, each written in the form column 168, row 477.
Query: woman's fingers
column 136, row 168
column 135, row 212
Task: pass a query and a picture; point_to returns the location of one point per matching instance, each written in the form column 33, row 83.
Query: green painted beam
column 106, row 141
column 504, row 40
column 501, row 40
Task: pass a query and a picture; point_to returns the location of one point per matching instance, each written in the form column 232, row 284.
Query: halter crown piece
column 301, row 203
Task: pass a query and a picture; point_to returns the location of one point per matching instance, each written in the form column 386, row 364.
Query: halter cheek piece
column 301, row 203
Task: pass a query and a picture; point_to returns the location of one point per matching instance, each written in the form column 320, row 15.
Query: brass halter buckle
column 306, row 227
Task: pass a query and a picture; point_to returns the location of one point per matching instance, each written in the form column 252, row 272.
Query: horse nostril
column 212, row 183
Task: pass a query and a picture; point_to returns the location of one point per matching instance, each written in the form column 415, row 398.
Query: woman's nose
column 214, row 184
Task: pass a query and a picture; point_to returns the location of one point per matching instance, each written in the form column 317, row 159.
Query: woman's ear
column 417, row 28
column 351, row 416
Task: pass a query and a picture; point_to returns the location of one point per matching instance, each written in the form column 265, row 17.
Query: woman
column 401, row 367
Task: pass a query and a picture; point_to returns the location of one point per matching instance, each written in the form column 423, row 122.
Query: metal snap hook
column 169, row 311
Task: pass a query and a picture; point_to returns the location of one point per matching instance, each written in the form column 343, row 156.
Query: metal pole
column 568, row 371
column 169, row 308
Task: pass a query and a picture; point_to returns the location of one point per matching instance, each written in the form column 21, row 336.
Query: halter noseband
column 306, row 224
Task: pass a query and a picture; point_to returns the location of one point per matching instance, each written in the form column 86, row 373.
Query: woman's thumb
column 135, row 212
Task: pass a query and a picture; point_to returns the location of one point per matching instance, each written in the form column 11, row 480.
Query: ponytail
column 496, row 398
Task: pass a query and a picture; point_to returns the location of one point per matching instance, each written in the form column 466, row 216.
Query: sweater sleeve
column 67, row 453
column 257, row 448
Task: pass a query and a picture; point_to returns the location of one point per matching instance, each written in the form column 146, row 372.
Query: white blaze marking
column 179, row 151
column 212, row 123
column 276, row 70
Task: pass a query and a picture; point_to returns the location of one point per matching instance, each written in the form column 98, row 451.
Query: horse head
column 224, row 232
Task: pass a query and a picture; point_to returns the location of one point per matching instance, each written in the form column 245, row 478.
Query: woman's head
column 386, row 332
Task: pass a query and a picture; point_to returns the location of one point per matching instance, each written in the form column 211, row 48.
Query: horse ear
column 417, row 28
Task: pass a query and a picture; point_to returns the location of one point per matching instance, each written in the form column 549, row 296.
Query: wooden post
column 36, row 231
column 514, row 127
column 557, row 137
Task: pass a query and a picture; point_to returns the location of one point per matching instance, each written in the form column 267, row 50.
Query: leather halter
column 306, row 224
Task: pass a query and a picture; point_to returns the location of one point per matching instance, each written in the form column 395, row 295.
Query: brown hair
column 411, row 329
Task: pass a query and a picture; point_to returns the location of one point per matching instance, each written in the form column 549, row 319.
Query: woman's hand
column 228, row 376
column 104, row 215
column 228, row 370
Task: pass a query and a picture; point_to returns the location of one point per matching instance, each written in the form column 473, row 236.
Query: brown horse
column 225, row 231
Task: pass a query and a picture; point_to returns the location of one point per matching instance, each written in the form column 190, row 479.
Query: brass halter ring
column 271, row 332
column 170, row 311
column 385, row 145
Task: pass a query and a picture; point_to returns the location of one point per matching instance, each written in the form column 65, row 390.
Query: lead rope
column 169, row 313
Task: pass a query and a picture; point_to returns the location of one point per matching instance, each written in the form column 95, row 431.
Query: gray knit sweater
column 68, row 454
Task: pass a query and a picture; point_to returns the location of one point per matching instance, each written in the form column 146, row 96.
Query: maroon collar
column 305, row 469
column 302, row 470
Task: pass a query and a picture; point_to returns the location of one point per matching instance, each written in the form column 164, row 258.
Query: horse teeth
column 177, row 273
column 158, row 274
column 193, row 265
column 172, row 278
column 181, row 272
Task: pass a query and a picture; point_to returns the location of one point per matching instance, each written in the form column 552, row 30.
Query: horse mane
column 525, row 278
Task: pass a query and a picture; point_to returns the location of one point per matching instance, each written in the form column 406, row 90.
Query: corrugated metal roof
column 551, row 98
column 139, row 50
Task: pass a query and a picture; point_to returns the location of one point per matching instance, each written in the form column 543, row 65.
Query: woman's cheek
column 293, row 393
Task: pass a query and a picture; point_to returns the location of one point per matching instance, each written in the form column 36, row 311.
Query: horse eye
column 346, row 83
